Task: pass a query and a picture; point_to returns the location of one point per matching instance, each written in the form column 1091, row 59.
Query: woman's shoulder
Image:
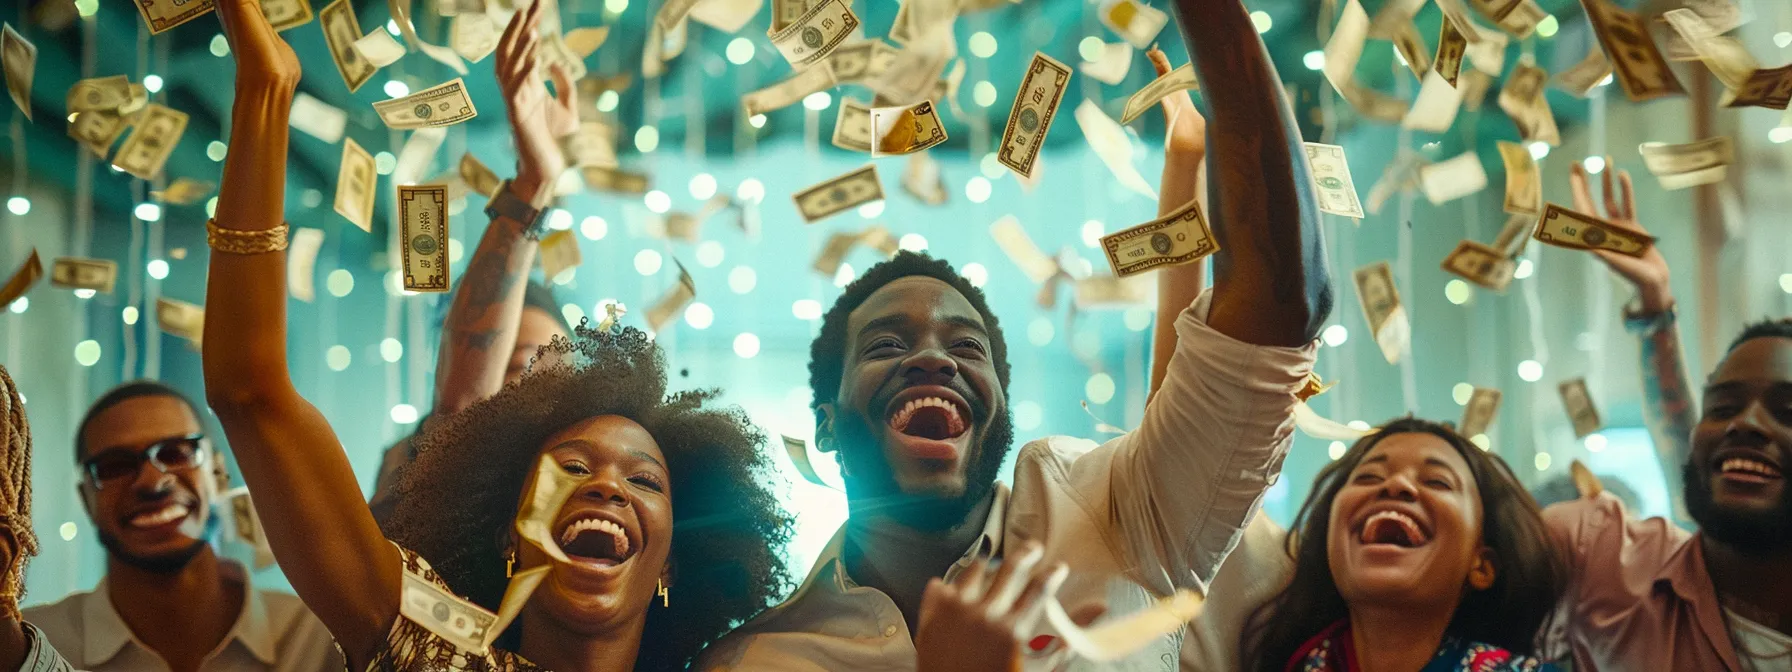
column 439, row 630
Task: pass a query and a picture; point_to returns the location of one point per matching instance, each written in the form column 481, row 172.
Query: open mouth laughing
column 1390, row 527
column 156, row 517
column 598, row 539
column 1743, row 466
column 930, row 421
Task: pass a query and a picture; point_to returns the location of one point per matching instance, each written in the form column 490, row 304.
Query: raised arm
column 1185, row 149
column 316, row 522
column 1668, row 407
column 1270, row 282
column 482, row 323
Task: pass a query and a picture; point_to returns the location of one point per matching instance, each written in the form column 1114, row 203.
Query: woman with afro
column 667, row 534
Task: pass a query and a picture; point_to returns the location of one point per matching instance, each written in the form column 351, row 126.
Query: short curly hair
column 827, row 354
column 1780, row 328
column 459, row 497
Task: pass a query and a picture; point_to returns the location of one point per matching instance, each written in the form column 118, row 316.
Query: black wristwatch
column 506, row 204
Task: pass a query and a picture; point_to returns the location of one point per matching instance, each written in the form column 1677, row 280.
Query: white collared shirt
column 273, row 633
column 1135, row 518
column 40, row 656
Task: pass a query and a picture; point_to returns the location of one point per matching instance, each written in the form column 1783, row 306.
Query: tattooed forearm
column 1667, row 398
column 482, row 323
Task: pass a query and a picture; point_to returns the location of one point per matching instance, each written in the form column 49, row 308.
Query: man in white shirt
column 910, row 377
column 168, row 602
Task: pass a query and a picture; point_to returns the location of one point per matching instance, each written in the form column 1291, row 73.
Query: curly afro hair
column 460, row 496
column 827, row 354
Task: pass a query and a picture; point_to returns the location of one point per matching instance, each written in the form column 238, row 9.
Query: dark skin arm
column 1270, row 285
column 305, row 490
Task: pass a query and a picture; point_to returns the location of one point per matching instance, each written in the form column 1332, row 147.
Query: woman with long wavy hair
column 1415, row 551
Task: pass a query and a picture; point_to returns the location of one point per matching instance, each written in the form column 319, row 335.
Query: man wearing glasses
column 168, row 602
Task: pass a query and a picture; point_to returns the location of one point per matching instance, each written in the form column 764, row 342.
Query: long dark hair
column 1529, row 576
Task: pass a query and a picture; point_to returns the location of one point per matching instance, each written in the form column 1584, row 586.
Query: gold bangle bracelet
column 233, row 241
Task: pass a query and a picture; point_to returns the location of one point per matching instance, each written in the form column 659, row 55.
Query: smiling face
column 149, row 519
column 616, row 527
column 1736, row 477
column 1405, row 527
column 920, row 417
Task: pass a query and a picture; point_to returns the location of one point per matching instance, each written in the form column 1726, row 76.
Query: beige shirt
column 274, row 633
column 1135, row 518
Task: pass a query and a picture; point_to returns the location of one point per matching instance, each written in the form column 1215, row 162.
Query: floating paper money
column 1331, row 175
column 816, row 33
column 1524, row 185
column 541, row 503
column 1174, row 239
column 838, row 245
column 184, row 191
column 423, row 218
column 1639, row 67
column 828, row 198
column 1580, row 78
column 99, row 93
column 559, row 253
column 1480, row 264
column 1020, row 249
column 852, row 60
column 378, row 48
column 1474, row 85
column 675, row 299
column 905, row 130
column 1514, row 235
column 799, row 456
column 418, row 152
column 1489, row 55
column 1721, row 15
column 1725, row 56
column 400, row 11
column 1411, row 47
column 474, row 36
column 818, row 77
column 19, row 57
column 1136, row 22
column 1391, row 15
column 79, row 273
column 455, row 620
column 727, row 16
column 1478, row 414
column 445, row 104
column 1690, row 164
column 1455, row 178
column 1580, row 407
column 480, row 179
column 21, row 280
column 317, row 118
column 913, row 72
column 1455, row 12
column 98, row 129
column 594, row 144
column 921, row 178
column 1117, row 638
column 852, row 129
column 301, row 262
column 355, row 181
column 158, row 131
column 285, row 14
column 1562, row 227
column 1342, row 52
column 1035, row 105
column 1402, row 176
column 787, row 12
column 1311, row 423
column 1180, row 79
column 244, row 526
column 614, row 180
column 1111, row 144
column 1380, row 300
column 341, row 31
column 1585, row 482
column 685, row 226
column 161, row 15
column 555, row 51
column 1436, row 107
column 1771, row 89
column 181, row 319
column 583, row 42
column 1518, row 17
column 1111, row 68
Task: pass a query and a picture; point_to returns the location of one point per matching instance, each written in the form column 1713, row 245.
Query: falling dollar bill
column 341, row 31
column 1111, row 68
column 158, row 130
column 1727, row 58
column 301, row 263
column 1020, row 249
column 1380, row 300
column 852, row 61
column 799, row 456
column 1139, row 24
column 1690, row 164
column 1111, row 144
column 480, row 179
column 99, row 93
column 559, row 253
column 423, row 217
column 1524, row 184
column 184, row 191
column 1478, row 414
column 1771, row 89
column 905, row 130
column 1120, row 636
column 1454, row 178
column 400, row 11
column 1174, row 239
column 475, row 36
column 1180, row 79
column 1562, row 227
column 1035, row 105
column 1639, row 66
column 1451, row 46
column 914, row 71
column 161, row 15
column 181, row 319
column 852, row 128
column 818, row 77
column 1580, row 78
column 1455, row 12
column 594, row 144
column 1411, row 47
column 22, row 279
column 285, row 14
column 673, row 301
column 1331, row 175
column 455, row 620
column 355, row 181
column 1514, row 236
column 828, row 198
column 614, row 180
column 788, row 12
column 1489, row 55
column 19, row 58
column 1517, row 17
column 1480, row 264
column 1581, row 410
column 1474, row 84
column 1585, row 483
column 1342, row 52
column 79, row 273
column 1522, row 95
column 98, row 129
column 418, row 152
column 1436, row 107
column 816, row 33
column 839, row 244
column 922, row 179
column 446, row 104
column 378, row 48
column 317, row 118
column 1401, row 176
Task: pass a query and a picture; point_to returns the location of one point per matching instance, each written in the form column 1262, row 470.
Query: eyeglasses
column 175, row 454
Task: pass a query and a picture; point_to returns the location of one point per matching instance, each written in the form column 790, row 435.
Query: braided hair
column 15, row 492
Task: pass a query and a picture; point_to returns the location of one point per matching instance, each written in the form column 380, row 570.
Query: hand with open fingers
column 976, row 622
column 1187, row 128
column 1649, row 273
column 537, row 120
column 262, row 57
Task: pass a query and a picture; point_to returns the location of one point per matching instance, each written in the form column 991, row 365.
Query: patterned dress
column 412, row 648
column 1332, row 651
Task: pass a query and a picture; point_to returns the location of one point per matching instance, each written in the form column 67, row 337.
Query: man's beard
column 1751, row 532
column 871, row 486
column 166, row 563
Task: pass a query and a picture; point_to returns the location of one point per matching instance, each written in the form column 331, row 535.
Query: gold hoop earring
column 510, row 563
column 664, row 593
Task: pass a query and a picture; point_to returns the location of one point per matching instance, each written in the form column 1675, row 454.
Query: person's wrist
column 529, row 187
column 1654, row 299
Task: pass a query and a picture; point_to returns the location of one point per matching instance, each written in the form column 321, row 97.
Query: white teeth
column 1752, row 466
column 597, row 525
column 900, row 420
column 1413, row 531
column 162, row 516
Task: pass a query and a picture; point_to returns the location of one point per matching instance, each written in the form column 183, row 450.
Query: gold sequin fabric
column 412, row 648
